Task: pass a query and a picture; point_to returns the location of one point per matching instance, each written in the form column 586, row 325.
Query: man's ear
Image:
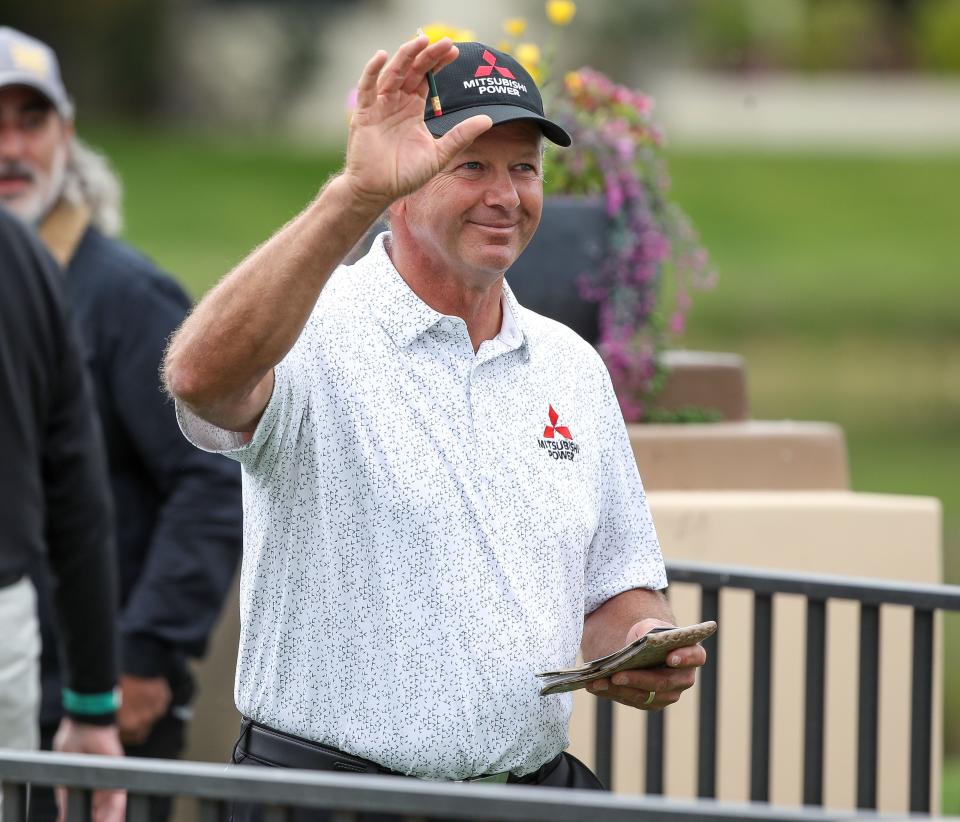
column 397, row 209
column 69, row 129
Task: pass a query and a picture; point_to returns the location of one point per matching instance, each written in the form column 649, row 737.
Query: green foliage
column 686, row 414
column 826, row 35
column 938, row 35
column 722, row 32
column 840, row 34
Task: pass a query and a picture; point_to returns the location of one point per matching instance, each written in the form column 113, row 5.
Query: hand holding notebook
column 648, row 651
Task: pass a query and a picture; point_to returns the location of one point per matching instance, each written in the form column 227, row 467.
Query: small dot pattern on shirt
column 425, row 527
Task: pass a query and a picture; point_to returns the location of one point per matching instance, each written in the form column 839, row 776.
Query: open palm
column 390, row 152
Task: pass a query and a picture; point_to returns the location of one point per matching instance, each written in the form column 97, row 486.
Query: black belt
column 271, row 747
column 9, row 578
column 282, row 750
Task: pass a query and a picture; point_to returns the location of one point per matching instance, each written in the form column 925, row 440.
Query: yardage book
column 649, row 651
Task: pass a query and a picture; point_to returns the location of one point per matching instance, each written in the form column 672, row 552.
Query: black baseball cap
column 484, row 80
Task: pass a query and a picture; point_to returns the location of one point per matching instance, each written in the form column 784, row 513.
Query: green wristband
column 103, row 703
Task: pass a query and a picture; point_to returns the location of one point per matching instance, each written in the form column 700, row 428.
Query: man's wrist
column 350, row 198
column 91, row 708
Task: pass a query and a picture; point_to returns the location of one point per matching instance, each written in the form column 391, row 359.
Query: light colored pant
column 19, row 667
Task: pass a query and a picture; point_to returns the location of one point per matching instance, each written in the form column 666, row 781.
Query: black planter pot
column 570, row 241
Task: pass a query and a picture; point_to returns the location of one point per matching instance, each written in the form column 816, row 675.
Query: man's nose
column 11, row 142
column 502, row 192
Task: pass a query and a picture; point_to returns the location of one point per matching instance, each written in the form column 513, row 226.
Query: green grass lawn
column 815, row 244
column 951, row 787
column 838, row 282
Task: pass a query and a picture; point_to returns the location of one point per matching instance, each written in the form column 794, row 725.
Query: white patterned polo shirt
column 425, row 528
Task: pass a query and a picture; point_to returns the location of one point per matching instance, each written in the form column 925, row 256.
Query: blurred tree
column 124, row 58
column 723, row 34
column 113, row 53
column 938, row 35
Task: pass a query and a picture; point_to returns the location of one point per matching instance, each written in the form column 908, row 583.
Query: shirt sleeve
column 79, row 532
column 284, row 410
column 195, row 540
column 625, row 552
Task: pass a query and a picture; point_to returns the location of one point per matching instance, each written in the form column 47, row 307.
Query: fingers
column 412, row 61
column 395, row 72
column 109, row 806
column 135, row 734
column 634, row 687
column 367, row 87
column 105, row 806
column 405, row 71
column 691, row 656
column 636, row 697
column 655, row 679
column 461, row 135
column 433, row 58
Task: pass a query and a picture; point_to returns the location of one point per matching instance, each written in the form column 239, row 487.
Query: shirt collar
column 513, row 331
column 404, row 316
column 63, row 228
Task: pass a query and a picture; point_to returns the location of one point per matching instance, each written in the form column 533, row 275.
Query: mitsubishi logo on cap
column 485, row 71
column 485, row 80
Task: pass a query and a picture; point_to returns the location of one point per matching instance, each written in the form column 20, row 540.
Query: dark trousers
column 566, row 771
column 165, row 741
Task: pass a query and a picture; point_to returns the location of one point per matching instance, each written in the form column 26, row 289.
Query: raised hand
column 390, row 152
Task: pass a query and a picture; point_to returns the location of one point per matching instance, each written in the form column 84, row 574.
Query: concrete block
column 747, row 455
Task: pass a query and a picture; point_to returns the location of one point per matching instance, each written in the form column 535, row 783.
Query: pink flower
column 614, row 199
column 656, row 246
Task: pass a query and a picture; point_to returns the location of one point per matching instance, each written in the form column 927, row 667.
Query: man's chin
column 494, row 257
column 29, row 209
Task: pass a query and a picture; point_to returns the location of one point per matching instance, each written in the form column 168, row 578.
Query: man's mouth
column 496, row 227
column 12, row 183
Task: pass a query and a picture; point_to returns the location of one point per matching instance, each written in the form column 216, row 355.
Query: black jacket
column 54, row 499
column 178, row 509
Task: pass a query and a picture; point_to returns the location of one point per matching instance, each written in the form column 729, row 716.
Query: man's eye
column 31, row 120
column 472, row 165
column 527, row 168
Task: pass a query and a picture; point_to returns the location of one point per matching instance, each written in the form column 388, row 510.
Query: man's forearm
column 605, row 629
column 225, row 351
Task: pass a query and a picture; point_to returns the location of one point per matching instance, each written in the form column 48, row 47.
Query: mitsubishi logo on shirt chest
column 557, row 440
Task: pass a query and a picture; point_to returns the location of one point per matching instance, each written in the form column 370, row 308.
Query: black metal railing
column 924, row 600
column 214, row 787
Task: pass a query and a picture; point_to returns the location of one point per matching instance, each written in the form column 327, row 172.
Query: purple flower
column 656, row 246
column 654, row 259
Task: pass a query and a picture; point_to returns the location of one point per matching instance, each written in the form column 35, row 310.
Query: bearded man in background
column 177, row 509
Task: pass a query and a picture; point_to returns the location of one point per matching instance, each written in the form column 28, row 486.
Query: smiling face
column 475, row 217
column 34, row 144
